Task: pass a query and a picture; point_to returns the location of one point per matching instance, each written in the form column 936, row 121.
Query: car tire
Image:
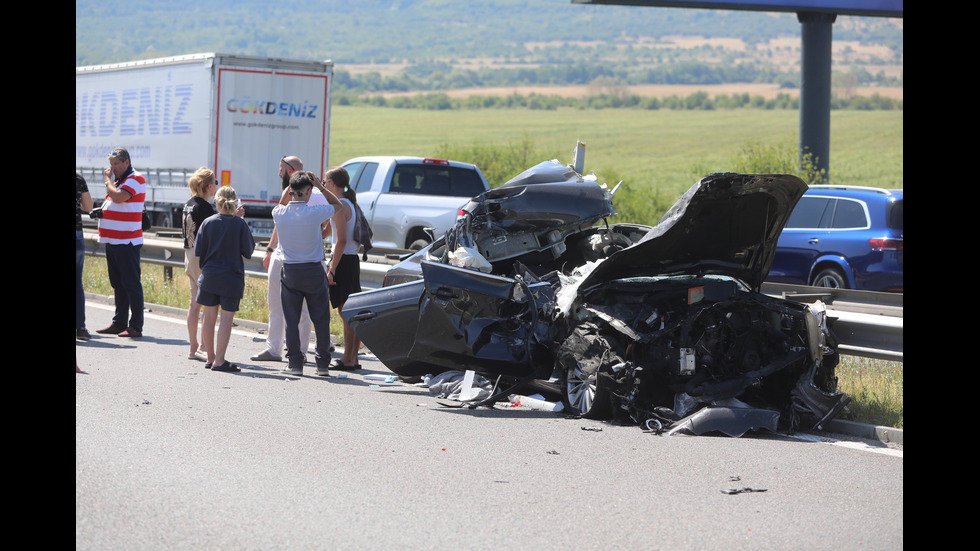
column 831, row 278
column 418, row 244
column 584, row 394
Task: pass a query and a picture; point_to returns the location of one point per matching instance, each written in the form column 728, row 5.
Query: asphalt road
column 169, row 455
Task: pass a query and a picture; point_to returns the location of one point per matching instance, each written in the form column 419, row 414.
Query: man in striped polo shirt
column 121, row 231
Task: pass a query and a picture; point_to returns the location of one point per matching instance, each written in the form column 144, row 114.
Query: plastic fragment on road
column 734, row 491
column 466, row 392
column 536, row 402
column 375, row 377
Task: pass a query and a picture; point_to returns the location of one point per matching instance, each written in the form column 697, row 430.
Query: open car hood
column 726, row 224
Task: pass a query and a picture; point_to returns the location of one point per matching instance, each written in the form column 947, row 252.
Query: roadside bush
column 635, row 203
column 778, row 158
column 499, row 162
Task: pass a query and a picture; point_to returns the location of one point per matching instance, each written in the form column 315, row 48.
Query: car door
column 386, row 321
column 491, row 324
column 799, row 243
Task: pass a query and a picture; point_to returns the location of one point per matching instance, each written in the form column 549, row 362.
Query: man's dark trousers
column 306, row 281
column 123, row 264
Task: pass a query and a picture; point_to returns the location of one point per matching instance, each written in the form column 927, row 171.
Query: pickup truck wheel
column 418, row 244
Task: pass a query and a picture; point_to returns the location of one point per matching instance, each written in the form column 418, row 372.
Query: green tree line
column 696, row 101
column 431, row 76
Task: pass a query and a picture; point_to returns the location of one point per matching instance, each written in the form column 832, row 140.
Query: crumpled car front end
column 663, row 348
column 676, row 323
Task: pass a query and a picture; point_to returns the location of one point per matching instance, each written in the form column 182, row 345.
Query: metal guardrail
column 165, row 247
column 866, row 323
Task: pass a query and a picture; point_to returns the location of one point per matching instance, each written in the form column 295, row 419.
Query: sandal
column 338, row 364
column 227, row 367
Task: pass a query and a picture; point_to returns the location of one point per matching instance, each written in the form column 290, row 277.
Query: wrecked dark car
column 661, row 326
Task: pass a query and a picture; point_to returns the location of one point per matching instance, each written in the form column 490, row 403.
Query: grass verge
column 876, row 390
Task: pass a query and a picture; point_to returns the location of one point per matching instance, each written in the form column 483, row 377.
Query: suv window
column 436, row 180
column 812, row 212
column 850, row 214
column 896, row 215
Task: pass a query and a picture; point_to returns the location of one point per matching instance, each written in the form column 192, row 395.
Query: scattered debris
column 734, row 491
column 450, row 384
column 537, row 402
column 376, row 377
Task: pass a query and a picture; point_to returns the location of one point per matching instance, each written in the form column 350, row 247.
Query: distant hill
column 418, row 31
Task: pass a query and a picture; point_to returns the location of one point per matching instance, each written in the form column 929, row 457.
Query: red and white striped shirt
column 122, row 223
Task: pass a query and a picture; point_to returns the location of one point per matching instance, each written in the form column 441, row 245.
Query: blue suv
column 844, row 237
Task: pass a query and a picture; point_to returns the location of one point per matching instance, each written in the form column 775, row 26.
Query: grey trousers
column 306, row 282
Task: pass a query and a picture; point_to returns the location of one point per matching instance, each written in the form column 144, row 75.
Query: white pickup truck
column 404, row 196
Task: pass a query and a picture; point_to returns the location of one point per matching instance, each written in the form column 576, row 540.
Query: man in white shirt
column 303, row 279
column 273, row 266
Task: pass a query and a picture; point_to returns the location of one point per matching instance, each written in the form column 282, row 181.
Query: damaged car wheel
column 584, row 361
column 583, row 394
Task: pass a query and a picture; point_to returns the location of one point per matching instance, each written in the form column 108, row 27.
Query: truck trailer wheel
column 161, row 219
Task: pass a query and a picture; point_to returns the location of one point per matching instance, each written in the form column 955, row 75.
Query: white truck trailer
column 236, row 115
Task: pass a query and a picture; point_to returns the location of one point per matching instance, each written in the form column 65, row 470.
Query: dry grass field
column 783, row 52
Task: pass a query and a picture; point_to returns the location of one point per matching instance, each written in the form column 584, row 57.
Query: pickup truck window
column 361, row 175
column 436, row 180
column 466, row 183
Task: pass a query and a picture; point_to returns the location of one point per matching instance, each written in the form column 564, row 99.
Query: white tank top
column 352, row 246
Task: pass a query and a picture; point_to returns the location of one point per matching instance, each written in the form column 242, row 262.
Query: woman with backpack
column 203, row 186
column 344, row 273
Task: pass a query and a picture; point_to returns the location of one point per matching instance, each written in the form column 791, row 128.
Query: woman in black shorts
column 344, row 273
column 223, row 241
